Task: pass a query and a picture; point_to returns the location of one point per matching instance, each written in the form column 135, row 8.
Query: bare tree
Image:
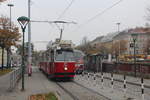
column 148, row 14
column 2, row 0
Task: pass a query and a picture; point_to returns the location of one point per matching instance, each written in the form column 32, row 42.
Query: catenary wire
column 97, row 15
column 61, row 15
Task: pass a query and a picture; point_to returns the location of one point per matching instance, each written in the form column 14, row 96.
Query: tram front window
column 64, row 56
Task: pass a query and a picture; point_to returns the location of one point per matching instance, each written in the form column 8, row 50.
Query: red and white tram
column 58, row 61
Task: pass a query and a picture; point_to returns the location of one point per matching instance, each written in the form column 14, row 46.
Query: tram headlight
column 65, row 68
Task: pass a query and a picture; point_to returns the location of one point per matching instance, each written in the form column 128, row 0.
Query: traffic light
column 131, row 45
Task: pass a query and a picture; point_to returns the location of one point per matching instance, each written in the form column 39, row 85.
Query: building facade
column 141, row 42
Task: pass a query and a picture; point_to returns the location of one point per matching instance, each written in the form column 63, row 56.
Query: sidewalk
column 35, row 84
column 4, row 83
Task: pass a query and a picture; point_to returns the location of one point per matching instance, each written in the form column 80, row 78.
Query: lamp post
column 134, row 37
column 10, row 5
column 118, row 24
column 23, row 21
column 8, row 51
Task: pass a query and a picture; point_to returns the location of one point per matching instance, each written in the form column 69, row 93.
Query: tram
column 79, row 58
column 58, row 60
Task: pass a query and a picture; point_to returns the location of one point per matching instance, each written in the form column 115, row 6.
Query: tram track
column 91, row 90
column 133, row 89
column 68, row 92
column 79, row 92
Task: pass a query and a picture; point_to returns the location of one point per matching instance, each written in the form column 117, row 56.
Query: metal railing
column 15, row 76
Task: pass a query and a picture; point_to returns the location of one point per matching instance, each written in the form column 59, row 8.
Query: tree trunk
column 2, row 58
column 8, row 57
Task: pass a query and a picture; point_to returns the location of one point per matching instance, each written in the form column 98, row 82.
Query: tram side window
column 52, row 56
column 43, row 57
column 49, row 57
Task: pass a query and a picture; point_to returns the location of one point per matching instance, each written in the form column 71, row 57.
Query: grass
column 4, row 71
column 48, row 96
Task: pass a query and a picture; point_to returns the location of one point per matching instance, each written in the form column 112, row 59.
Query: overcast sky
column 130, row 13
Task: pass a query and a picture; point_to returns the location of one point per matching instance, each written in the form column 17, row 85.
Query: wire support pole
column 29, row 40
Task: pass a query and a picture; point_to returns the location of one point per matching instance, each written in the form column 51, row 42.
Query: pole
column 118, row 24
column 118, row 27
column 102, row 77
column 10, row 5
column 61, row 31
column 134, row 58
column 8, row 51
column 142, row 87
column 112, row 81
column 124, row 84
column 23, row 65
column 29, row 40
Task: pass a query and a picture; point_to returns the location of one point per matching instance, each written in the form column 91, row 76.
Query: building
column 141, row 43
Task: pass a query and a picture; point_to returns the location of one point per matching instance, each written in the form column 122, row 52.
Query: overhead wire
column 99, row 14
column 65, row 10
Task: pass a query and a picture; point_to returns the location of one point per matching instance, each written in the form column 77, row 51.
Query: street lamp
column 118, row 24
column 23, row 21
column 10, row 5
column 8, row 52
column 134, row 37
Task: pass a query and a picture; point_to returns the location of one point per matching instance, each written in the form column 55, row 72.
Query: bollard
column 83, row 74
column 124, row 85
column 102, row 80
column 142, row 88
column 94, row 78
column 112, row 82
column 88, row 78
column 88, row 75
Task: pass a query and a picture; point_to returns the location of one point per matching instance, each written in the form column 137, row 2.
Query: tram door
column 52, row 63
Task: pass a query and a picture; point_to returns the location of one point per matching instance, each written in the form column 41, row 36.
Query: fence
column 138, row 88
column 15, row 76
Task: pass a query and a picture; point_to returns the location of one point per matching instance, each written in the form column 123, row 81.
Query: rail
column 15, row 76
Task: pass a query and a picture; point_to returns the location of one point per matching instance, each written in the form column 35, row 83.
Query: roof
column 138, row 30
column 109, row 37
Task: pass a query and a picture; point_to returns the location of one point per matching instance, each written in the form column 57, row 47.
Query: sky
column 130, row 13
